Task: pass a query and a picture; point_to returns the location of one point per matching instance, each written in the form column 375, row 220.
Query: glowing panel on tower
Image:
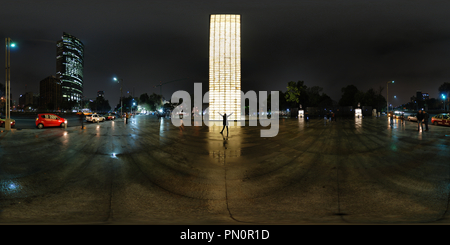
column 225, row 66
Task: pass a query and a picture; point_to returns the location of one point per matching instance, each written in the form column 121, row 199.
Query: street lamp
column 443, row 97
column 121, row 97
column 8, row 46
column 387, row 94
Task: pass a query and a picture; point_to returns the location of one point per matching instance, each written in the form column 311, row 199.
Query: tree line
column 298, row 93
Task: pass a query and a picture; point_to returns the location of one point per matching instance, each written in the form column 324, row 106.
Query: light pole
column 443, row 97
column 387, row 94
column 8, row 46
column 121, row 97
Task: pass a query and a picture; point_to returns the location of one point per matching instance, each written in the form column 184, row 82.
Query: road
column 29, row 121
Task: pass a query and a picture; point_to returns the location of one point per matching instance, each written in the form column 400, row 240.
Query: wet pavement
column 353, row 171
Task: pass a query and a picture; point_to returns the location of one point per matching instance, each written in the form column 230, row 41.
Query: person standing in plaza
column 419, row 120
column 425, row 119
column 225, row 121
column 82, row 120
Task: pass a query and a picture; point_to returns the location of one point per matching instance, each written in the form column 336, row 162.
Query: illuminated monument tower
column 225, row 66
column 69, row 67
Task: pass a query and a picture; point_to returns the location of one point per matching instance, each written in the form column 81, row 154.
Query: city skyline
column 324, row 44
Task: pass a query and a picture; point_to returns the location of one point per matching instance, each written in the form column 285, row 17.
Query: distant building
column 25, row 99
column 100, row 94
column 50, row 94
column 419, row 100
column 69, row 67
column 425, row 96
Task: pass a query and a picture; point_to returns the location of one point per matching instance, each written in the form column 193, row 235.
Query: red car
column 109, row 116
column 50, row 120
column 441, row 119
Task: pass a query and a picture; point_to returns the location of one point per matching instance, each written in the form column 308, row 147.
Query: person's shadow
column 225, row 141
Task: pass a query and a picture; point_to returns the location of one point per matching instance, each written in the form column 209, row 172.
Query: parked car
column 109, row 116
column 412, row 118
column 2, row 122
column 95, row 118
column 441, row 119
column 50, row 120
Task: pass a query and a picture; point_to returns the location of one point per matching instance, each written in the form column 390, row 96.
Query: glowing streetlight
column 8, row 46
column 443, row 98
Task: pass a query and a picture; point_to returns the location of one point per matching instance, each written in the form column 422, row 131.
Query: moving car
column 109, row 116
column 83, row 113
column 441, row 119
column 412, row 117
column 2, row 122
column 95, row 118
column 50, row 120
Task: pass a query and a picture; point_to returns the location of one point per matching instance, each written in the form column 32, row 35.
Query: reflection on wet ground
column 353, row 170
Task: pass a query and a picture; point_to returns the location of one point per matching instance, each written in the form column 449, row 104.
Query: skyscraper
column 69, row 67
column 50, row 94
column 225, row 66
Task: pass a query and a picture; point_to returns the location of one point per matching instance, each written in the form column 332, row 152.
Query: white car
column 412, row 117
column 95, row 118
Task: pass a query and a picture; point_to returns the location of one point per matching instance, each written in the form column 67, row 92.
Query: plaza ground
column 353, row 171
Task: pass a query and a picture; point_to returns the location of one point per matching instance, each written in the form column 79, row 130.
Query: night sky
column 330, row 44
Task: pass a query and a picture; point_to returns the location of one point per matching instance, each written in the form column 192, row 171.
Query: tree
column 155, row 102
column 444, row 88
column 314, row 98
column 294, row 91
column 144, row 98
column 100, row 105
column 348, row 96
column 325, row 101
column 299, row 94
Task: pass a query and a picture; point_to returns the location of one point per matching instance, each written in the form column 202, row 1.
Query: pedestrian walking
column 225, row 121
column 82, row 120
column 419, row 120
column 425, row 119
column 402, row 117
